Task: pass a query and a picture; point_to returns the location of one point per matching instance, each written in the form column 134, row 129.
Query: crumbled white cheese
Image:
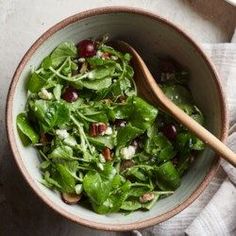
column 70, row 141
column 101, row 158
column 108, row 131
column 99, row 53
column 44, row 94
column 82, row 59
column 127, row 152
column 62, row 134
column 78, row 188
column 100, row 166
column 114, row 58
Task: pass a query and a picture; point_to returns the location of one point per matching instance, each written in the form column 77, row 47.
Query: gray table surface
column 21, row 23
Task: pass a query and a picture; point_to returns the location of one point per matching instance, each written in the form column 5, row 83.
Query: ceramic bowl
column 151, row 36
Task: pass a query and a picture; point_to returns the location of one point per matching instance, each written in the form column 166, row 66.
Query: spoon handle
column 202, row 133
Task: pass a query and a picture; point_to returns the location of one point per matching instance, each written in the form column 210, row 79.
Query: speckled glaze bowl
column 150, row 35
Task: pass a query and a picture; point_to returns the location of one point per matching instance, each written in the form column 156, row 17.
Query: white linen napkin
column 214, row 212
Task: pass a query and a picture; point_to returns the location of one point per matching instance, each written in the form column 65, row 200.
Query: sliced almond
column 70, row 198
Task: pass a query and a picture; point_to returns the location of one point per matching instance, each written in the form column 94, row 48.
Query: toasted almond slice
column 70, row 198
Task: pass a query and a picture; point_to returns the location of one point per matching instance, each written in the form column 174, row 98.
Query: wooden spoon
column 152, row 92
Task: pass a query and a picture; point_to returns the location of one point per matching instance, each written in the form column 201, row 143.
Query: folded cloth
column 214, row 212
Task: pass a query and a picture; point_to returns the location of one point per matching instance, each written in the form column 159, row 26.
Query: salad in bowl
column 100, row 144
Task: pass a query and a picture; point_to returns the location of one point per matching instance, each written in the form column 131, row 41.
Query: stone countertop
column 21, row 23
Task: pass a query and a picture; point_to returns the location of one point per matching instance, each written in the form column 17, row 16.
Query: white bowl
column 151, row 35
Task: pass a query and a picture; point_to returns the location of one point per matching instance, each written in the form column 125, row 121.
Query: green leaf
column 131, row 205
column 126, row 134
column 192, row 111
column 50, row 114
column 49, row 182
column 57, row 91
column 94, row 84
column 102, row 141
column 167, row 176
column 186, row 142
column 46, row 63
column 65, row 179
column 25, row 127
column 96, row 189
column 177, row 93
column 115, row 200
column 98, row 61
column 143, row 114
column 61, row 153
column 158, row 145
column 101, row 72
column 35, row 83
column 63, row 51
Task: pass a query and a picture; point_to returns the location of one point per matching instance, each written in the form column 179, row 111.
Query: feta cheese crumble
column 108, row 131
column 99, row 53
column 62, row 134
column 44, row 94
column 70, row 141
column 127, row 152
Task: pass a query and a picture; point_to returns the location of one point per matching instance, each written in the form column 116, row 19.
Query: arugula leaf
column 50, row 114
column 65, row 179
column 131, row 205
column 57, row 91
column 62, row 51
column 26, row 129
column 35, row 83
column 61, row 153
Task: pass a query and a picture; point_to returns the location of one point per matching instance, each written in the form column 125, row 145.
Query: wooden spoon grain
column 149, row 89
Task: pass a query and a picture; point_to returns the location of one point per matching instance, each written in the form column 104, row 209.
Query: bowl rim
column 12, row 141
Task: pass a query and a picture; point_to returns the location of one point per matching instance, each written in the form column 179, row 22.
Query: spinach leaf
column 102, row 141
column 126, row 134
column 96, row 189
column 143, row 114
column 115, row 200
column 94, row 84
column 177, row 93
column 167, row 176
column 26, row 129
column 186, row 142
column 101, row 72
column 98, row 61
column 192, row 111
column 158, row 145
